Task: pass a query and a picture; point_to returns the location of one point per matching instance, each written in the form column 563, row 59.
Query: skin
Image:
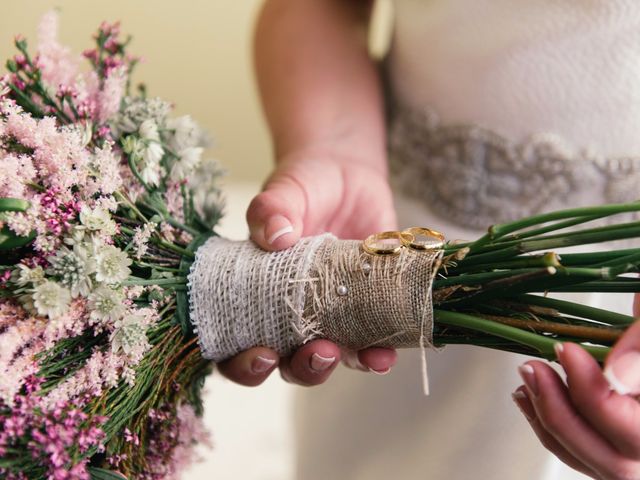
column 584, row 422
column 323, row 103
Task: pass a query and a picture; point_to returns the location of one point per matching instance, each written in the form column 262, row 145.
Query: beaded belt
column 476, row 177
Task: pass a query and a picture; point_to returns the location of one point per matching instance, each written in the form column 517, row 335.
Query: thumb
column 275, row 216
column 622, row 368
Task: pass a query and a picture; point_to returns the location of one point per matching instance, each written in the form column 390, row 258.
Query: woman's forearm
column 320, row 88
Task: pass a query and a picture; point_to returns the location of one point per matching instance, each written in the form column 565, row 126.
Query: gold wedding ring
column 420, row 238
column 386, row 243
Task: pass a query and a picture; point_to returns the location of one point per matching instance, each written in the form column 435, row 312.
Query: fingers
column 375, row 360
column 275, row 216
column 562, row 421
column 616, row 417
column 622, row 368
column 312, row 364
column 521, row 398
column 251, row 367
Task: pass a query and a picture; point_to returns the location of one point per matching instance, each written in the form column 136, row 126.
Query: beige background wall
column 197, row 54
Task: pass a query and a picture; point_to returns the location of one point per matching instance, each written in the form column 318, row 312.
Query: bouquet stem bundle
column 493, row 291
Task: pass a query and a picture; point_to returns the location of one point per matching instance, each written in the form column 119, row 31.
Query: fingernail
column 528, row 374
column 277, row 227
column 623, row 374
column 261, row 365
column 380, row 372
column 558, row 348
column 519, row 397
column 318, row 363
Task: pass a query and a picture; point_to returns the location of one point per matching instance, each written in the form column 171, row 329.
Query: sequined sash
column 475, row 177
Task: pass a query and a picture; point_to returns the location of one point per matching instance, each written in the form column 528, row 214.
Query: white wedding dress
column 500, row 108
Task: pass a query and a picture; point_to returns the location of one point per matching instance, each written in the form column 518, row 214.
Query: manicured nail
column 319, row 364
column 528, row 374
column 262, row 365
column 277, row 227
column 623, row 374
column 519, row 397
column 558, row 348
column 380, row 372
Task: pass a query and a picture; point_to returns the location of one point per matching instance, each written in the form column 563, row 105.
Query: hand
column 308, row 195
column 593, row 422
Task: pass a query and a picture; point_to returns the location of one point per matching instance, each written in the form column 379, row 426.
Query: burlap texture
column 241, row 296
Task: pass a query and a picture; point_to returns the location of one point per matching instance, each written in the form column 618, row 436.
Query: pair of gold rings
column 391, row 243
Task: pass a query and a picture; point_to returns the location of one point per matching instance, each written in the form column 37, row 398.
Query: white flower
column 186, row 133
column 132, row 145
column 106, row 304
column 97, row 220
column 74, row 268
column 152, row 171
column 50, row 299
column 189, row 160
column 24, row 275
column 112, row 265
column 130, row 336
column 142, row 236
column 76, row 237
column 148, row 130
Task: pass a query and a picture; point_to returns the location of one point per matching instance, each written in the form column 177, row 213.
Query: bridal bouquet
column 114, row 291
column 103, row 199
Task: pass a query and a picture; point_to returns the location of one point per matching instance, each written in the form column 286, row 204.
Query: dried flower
column 97, row 220
column 130, row 336
column 112, row 265
column 50, row 299
column 25, row 275
column 106, row 304
column 142, row 236
column 186, row 133
column 73, row 267
column 187, row 163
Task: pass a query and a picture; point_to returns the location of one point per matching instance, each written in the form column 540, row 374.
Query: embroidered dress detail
column 476, row 177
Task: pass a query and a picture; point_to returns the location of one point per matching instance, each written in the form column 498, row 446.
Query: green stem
column 175, row 281
column 577, row 309
column 543, row 344
column 498, row 231
column 551, row 228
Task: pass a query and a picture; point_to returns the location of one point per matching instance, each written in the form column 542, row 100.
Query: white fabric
column 521, row 68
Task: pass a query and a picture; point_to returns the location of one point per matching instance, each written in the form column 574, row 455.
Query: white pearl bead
column 342, row 290
column 366, row 267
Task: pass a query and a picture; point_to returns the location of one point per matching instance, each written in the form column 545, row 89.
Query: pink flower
column 58, row 65
column 109, row 97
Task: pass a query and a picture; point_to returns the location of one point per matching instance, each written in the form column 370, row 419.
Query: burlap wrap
column 241, row 296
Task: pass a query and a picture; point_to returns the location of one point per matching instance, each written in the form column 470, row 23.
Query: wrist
column 373, row 159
